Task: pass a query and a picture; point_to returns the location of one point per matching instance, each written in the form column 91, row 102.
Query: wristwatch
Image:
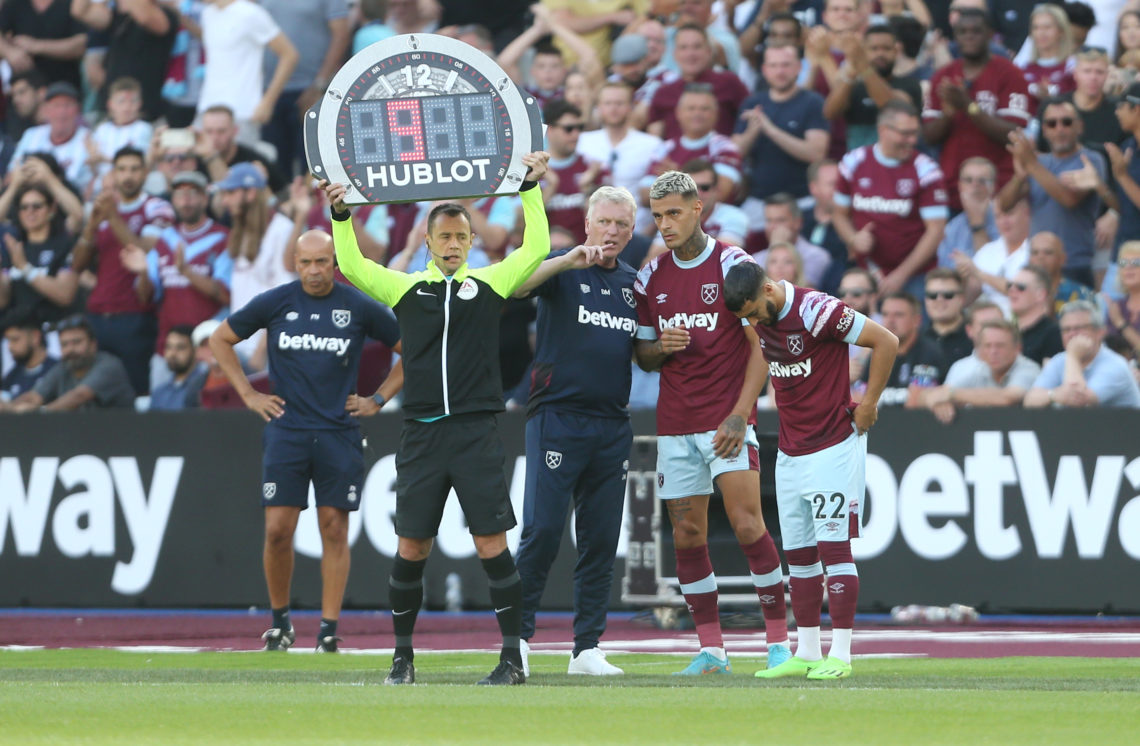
column 380, row 400
column 973, row 109
column 977, row 228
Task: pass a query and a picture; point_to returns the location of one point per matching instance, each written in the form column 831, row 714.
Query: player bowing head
column 751, row 294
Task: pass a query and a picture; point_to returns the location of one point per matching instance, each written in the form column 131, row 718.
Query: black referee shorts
column 460, row 451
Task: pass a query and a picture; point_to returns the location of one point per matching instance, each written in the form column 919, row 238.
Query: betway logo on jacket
column 313, row 342
column 876, row 203
column 606, row 320
column 689, row 321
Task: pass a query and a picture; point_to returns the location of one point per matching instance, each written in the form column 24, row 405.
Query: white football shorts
column 819, row 494
column 687, row 464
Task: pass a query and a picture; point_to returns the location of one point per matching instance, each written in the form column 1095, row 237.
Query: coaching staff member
column 315, row 332
column 578, row 433
column 449, row 323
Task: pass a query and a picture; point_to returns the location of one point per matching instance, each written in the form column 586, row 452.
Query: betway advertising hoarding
column 1005, row 510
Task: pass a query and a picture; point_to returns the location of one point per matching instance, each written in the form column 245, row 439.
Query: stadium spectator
column 726, row 45
column 259, row 237
column 865, row 84
column 991, row 269
column 187, row 273
column 450, row 412
column 976, row 225
column 780, row 131
column 318, row 31
column 1031, row 308
column 63, row 135
column 216, row 144
column 920, row 363
column 412, row 17
column 1096, row 109
column 37, row 256
column 1127, row 36
column 140, row 35
column 42, row 36
column 597, row 22
column 998, row 376
column 974, row 103
column 783, row 263
column 25, row 339
column 723, row 221
column 892, row 202
column 44, row 170
column 312, row 433
column 26, row 92
column 625, row 151
column 187, row 65
column 122, row 216
column 777, row 29
column 858, row 289
column 87, row 377
column 548, row 72
column 821, row 451
column 819, row 225
column 945, row 300
column 187, row 373
column 702, row 430
column 1047, row 252
column 1056, row 206
column 570, row 179
column 697, row 138
column 371, row 27
column 824, row 48
column 694, row 55
column 1126, row 173
column 629, row 61
column 578, row 433
column 783, row 221
column 1124, row 314
column 236, row 35
column 1049, row 71
column 121, row 128
column 1088, row 374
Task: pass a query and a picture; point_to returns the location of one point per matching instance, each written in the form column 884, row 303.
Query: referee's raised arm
column 376, row 280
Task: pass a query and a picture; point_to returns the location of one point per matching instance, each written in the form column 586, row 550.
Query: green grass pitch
column 111, row 697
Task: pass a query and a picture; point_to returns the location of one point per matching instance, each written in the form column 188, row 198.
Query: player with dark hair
column 822, row 457
column 315, row 330
column 449, row 321
column 704, row 413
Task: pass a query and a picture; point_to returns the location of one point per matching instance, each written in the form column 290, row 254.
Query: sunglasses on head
column 1063, row 121
column 941, row 294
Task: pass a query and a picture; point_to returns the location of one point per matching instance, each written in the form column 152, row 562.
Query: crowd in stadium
column 961, row 170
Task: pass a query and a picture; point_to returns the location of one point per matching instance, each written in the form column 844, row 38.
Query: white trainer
column 524, row 651
column 592, row 662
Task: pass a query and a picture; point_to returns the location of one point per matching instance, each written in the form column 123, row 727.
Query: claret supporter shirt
column 314, row 348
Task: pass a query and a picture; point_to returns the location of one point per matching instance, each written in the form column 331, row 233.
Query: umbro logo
column 836, row 587
column 661, row 297
column 292, row 316
column 585, row 288
column 767, row 599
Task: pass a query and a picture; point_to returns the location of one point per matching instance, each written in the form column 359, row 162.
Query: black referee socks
column 506, row 597
column 405, row 596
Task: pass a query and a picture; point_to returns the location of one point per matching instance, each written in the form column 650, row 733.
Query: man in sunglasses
column 1058, row 205
column 945, row 299
column 571, row 178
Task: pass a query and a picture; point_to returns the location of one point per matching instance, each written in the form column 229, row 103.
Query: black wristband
column 528, row 185
column 340, row 216
column 977, row 228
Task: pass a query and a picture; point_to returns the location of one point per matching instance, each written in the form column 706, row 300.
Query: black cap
column 61, row 88
column 1132, row 95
